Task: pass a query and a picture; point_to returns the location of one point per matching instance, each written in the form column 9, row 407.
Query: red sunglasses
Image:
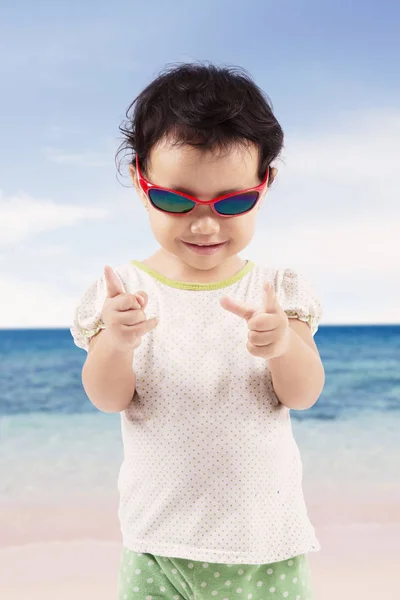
column 178, row 203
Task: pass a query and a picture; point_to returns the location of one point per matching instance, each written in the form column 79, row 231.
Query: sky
column 68, row 73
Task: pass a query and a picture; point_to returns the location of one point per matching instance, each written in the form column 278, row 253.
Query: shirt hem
column 218, row 556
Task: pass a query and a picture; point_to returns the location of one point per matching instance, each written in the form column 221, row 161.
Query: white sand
column 356, row 563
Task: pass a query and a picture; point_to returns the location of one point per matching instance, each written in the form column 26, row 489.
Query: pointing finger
column 113, row 282
column 271, row 304
column 238, row 307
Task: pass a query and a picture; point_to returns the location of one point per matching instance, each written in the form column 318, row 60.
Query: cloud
column 335, row 203
column 29, row 304
column 22, row 217
column 359, row 147
column 353, row 251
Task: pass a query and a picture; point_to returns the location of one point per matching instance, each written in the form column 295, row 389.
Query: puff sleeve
column 87, row 319
column 298, row 298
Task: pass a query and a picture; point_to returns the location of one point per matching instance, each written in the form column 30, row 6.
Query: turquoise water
column 53, row 439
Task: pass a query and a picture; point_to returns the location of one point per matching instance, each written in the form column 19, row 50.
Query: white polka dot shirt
column 211, row 470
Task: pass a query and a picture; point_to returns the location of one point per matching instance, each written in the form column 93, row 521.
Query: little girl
column 211, row 500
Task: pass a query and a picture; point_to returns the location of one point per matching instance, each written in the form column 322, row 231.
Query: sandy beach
column 74, row 554
column 359, row 563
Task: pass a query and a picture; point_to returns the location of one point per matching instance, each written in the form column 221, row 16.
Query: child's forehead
column 186, row 168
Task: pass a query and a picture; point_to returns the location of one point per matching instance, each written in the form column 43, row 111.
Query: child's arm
column 298, row 376
column 107, row 375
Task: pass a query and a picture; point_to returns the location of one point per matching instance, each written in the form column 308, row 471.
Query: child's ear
column 272, row 174
column 132, row 170
column 139, row 190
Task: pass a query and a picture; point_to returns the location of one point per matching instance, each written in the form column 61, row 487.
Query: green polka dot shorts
column 145, row 576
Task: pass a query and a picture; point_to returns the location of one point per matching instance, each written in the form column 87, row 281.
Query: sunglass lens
column 170, row 202
column 236, row 205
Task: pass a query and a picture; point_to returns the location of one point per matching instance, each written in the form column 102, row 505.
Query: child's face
column 205, row 175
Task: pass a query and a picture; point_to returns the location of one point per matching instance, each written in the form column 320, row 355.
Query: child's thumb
column 113, row 282
column 142, row 298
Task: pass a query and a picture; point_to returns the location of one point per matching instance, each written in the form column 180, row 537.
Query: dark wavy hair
column 202, row 105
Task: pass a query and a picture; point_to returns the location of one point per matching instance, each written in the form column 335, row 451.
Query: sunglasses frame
column 145, row 185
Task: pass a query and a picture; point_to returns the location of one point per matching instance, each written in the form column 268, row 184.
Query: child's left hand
column 269, row 331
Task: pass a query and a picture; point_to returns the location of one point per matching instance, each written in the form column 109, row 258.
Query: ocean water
column 53, row 439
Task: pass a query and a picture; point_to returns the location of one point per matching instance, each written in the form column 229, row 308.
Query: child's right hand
column 123, row 314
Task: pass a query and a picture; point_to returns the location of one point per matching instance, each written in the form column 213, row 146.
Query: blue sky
column 68, row 74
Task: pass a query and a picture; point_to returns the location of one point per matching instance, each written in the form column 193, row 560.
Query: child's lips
column 210, row 249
